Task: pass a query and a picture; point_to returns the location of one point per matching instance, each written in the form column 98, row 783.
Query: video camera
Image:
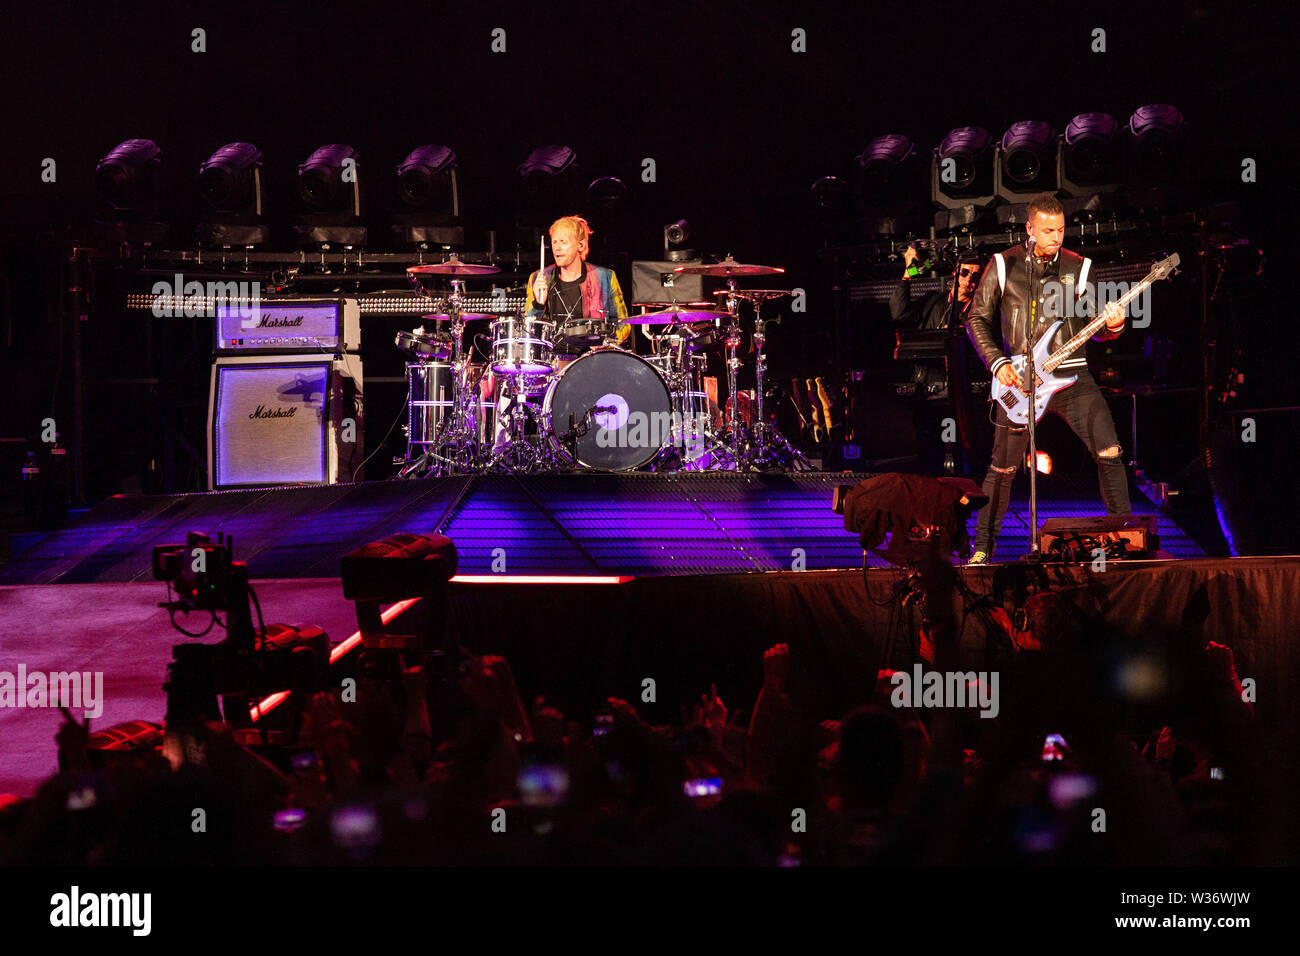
column 251, row 663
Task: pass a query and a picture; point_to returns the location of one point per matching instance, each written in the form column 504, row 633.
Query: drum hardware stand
column 770, row 446
column 522, row 454
column 729, row 269
column 732, row 332
column 570, row 438
column 692, row 443
column 692, row 446
column 766, row 445
column 455, row 449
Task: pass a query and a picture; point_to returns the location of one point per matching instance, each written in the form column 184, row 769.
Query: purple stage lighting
column 321, row 183
column 884, row 153
column 230, row 182
column 1090, row 148
column 547, row 161
column 126, row 179
column 1156, row 130
column 967, row 147
column 1026, row 148
column 427, row 179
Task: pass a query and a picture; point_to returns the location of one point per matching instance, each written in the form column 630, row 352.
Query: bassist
column 1007, row 295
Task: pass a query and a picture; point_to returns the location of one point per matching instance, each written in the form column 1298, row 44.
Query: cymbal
column 660, row 306
column 464, row 317
column 674, row 318
column 452, row 267
column 755, row 295
column 729, row 267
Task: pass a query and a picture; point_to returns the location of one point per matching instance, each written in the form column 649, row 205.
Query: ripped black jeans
column 1082, row 407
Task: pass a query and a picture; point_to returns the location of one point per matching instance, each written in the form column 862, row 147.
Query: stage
column 658, row 524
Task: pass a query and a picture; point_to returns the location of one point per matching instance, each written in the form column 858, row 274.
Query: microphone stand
column 1031, row 382
column 956, row 378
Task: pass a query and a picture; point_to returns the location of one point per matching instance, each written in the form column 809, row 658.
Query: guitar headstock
column 1163, row 269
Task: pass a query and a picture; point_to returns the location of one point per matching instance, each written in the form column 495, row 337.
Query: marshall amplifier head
column 269, row 326
column 284, row 420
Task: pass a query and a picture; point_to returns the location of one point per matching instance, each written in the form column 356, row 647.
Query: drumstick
column 541, row 257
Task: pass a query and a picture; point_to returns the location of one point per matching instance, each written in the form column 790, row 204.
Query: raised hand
column 73, row 740
column 1221, row 660
column 776, row 666
column 910, row 255
column 713, row 712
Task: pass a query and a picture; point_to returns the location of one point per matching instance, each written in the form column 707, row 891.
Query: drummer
column 583, row 300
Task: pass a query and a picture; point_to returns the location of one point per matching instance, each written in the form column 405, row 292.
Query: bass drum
column 624, row 402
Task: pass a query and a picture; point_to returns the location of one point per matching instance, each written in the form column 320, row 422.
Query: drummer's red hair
column 578, row 228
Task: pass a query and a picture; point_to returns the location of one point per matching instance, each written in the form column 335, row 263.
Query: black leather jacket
column 1005, row 293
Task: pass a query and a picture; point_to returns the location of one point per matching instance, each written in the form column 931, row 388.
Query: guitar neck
column 1091, row 329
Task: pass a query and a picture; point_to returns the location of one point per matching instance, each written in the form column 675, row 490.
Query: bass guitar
column 1015, row 399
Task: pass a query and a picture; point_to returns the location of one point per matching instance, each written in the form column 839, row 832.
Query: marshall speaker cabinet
column 278, row 414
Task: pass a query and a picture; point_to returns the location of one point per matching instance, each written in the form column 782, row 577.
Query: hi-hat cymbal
column 754, row 295
column 452, row 267
column 674, row 318
column 729, row 267
column 464, row 317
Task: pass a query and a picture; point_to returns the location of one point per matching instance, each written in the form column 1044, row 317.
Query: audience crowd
column 1094, row 757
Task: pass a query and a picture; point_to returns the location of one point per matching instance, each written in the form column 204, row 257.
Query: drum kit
column 532, row 408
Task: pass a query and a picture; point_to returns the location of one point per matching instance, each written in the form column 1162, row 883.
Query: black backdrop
column 738, row 124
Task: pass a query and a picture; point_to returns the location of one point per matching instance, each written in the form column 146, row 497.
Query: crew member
column 932, row 408
column 932, row 312
column 1005, row 295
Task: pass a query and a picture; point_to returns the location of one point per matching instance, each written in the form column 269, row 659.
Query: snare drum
column 579, row 336
column 624, row 403
column 522, row 345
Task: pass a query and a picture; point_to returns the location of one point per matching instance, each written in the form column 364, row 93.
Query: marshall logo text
column 264, row 412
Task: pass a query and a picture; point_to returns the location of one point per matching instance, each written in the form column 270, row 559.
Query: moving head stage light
column 428, row 198
column 126, row 192
column 329, row 193
column 230, row 189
